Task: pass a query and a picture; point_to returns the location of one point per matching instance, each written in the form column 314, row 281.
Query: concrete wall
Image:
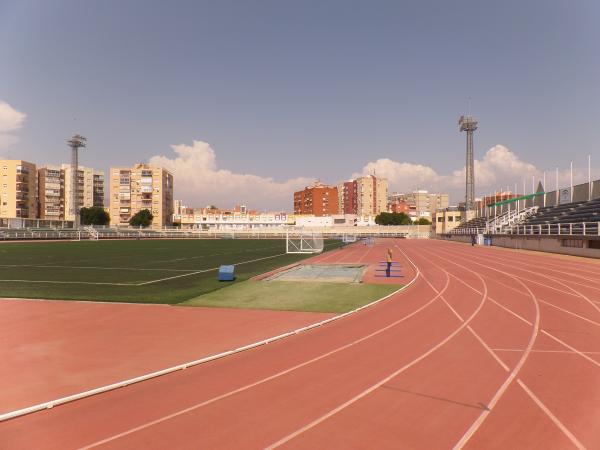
column 551, row 244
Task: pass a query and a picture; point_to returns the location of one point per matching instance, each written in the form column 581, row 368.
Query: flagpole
column 589, row 177
column 557, row 191
column 545, row 188
column 571, row 181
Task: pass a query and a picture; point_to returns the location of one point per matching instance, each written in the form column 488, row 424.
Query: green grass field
column 294, row 296
column 151, row 271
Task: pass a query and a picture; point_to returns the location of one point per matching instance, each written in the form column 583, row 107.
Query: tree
column 94, row 215
column 141, row 218
column 386, row 218
column 423, row 221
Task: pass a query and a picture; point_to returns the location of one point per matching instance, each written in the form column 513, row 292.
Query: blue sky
column 296, row 91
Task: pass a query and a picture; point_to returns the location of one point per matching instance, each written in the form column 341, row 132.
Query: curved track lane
column 487, row 349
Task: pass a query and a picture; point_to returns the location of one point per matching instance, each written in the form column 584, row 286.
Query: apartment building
column 318, row 200
column 423, row 205
column 51, row 193
column 371, row 194
column 55, row 187
column 141, row 187
column 18, row 189
column 364, row 196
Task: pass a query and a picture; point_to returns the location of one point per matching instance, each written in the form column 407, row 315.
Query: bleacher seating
column 569, row 216
column 471, row 226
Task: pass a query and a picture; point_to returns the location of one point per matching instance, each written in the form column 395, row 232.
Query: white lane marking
column 569, row 352
column 485, row 346
column 380, row 383
column 144, row 377
column 552, row 417
column 596, row 363
column 529, row 323
column 265, row 380
column 573, row 292
column 566, row 311
column 512, row 375
column 557, row 422
column 489, row 350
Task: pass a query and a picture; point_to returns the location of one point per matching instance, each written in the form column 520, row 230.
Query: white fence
column 548, row 229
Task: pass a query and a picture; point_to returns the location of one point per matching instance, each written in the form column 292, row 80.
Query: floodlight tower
column 76, row 142
column 469, row 124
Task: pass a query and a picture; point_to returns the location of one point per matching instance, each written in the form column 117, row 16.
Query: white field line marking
column 502, row 389
column 576, row 293
column 554, row 419
column 71, row 398
column 596, row 363
column 187, row 258
column 267, row 379
column 73, row 282
column 570, row 352
column 207, row 270
column 158, row 269
column 380, row 383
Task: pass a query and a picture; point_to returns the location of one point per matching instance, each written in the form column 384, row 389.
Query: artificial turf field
column 144, row 271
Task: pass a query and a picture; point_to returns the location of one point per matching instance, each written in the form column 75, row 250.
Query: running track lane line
column 367, row 391
column 564, row 344
column 538, row 402
column 552, row 417
column 513, row 374
column 576, row 293
column 269, row 378
column 89, row 393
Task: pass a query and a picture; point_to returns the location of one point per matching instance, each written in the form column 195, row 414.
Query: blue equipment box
column 226, row 273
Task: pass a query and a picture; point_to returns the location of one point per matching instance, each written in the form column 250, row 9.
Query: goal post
column 303, row 242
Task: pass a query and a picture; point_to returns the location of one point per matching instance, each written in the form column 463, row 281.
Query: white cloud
column 10, row 121
column 199, row 181
column 499, row 168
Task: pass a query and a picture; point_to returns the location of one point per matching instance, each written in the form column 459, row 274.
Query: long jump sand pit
column 334, row 273
column 52, row 349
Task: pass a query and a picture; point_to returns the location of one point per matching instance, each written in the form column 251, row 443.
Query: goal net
column 348, row 238
column 303, row 242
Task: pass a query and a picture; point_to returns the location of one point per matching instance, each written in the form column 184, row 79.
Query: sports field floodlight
column 469, row 124
column 76, row 142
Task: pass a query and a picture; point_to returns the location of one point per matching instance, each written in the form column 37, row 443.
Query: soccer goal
column 348, row 238
column 303, row 242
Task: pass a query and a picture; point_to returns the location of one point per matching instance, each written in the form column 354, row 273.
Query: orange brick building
column 319, row 200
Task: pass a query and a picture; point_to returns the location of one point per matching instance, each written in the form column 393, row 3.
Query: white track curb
column 120, row 384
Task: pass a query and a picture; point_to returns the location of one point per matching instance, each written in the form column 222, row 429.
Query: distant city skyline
column 246, row 102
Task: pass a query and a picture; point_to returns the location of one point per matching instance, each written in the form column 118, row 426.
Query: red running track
column 488, row 348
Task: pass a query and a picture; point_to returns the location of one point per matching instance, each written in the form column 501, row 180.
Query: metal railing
column 546, row 229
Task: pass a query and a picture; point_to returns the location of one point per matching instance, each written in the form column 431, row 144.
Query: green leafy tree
column 387, row 218
column 423, row 221
column 94, row 215
column 142, row 219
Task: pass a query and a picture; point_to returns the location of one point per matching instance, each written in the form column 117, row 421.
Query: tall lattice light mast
column 76, row 142
column 469, row 124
